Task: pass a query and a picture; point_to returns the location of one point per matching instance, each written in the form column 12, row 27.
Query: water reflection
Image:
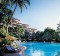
column 42, row 53
column 37, row 53
column 34, row 51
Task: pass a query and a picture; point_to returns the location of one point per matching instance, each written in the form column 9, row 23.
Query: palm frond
column 20, row 5
column 27, row 1
column 25, row 6
column 13, row 2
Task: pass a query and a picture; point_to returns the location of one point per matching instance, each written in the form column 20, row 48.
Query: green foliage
column 19, row 29
column 4, row 11
column 48, row 32
column 20, row 3
column 47, row 35
column 13, row 34
column 37, row 34
column 33, row 34
column 26, row 34
column 8, row 42
column 4, row 42
column 3, row 31
column 5, row 15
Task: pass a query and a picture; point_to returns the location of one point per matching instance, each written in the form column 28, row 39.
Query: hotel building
column 24, row 26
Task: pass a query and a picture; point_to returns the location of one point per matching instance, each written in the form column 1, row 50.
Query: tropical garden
column 6, row 18
column 48, row 35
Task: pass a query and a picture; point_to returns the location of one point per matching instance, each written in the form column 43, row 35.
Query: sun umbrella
column 11, row 38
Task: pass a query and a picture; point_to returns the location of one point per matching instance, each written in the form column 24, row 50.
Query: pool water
column 41, row 49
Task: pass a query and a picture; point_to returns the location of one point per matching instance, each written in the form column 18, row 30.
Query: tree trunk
column 13, row 13
column 10, row 20
column 19, row 36
column 7, row 30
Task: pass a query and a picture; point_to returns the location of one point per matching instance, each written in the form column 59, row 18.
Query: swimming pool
column 41, row 49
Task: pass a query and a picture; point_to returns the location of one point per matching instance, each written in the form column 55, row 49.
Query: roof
column 17, row 19
column 25, row 24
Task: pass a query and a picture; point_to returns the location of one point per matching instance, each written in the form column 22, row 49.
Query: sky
column 40, row 14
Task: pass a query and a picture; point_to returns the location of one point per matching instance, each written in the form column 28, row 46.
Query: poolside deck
column 21, row 53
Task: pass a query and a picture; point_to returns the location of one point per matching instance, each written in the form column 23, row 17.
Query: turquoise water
column 41, row 49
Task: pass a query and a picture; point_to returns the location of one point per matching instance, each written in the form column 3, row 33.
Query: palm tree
column 20, row 3
column 5, row 13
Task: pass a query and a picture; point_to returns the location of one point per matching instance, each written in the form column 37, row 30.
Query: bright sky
column 40, row 14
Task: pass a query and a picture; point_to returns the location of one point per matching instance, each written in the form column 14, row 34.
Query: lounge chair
column 11, row 49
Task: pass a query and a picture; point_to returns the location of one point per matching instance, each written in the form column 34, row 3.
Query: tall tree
column 50, row 33
column 20, row 3
column 5, row 13
column 15, row 3
column 37, row 34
